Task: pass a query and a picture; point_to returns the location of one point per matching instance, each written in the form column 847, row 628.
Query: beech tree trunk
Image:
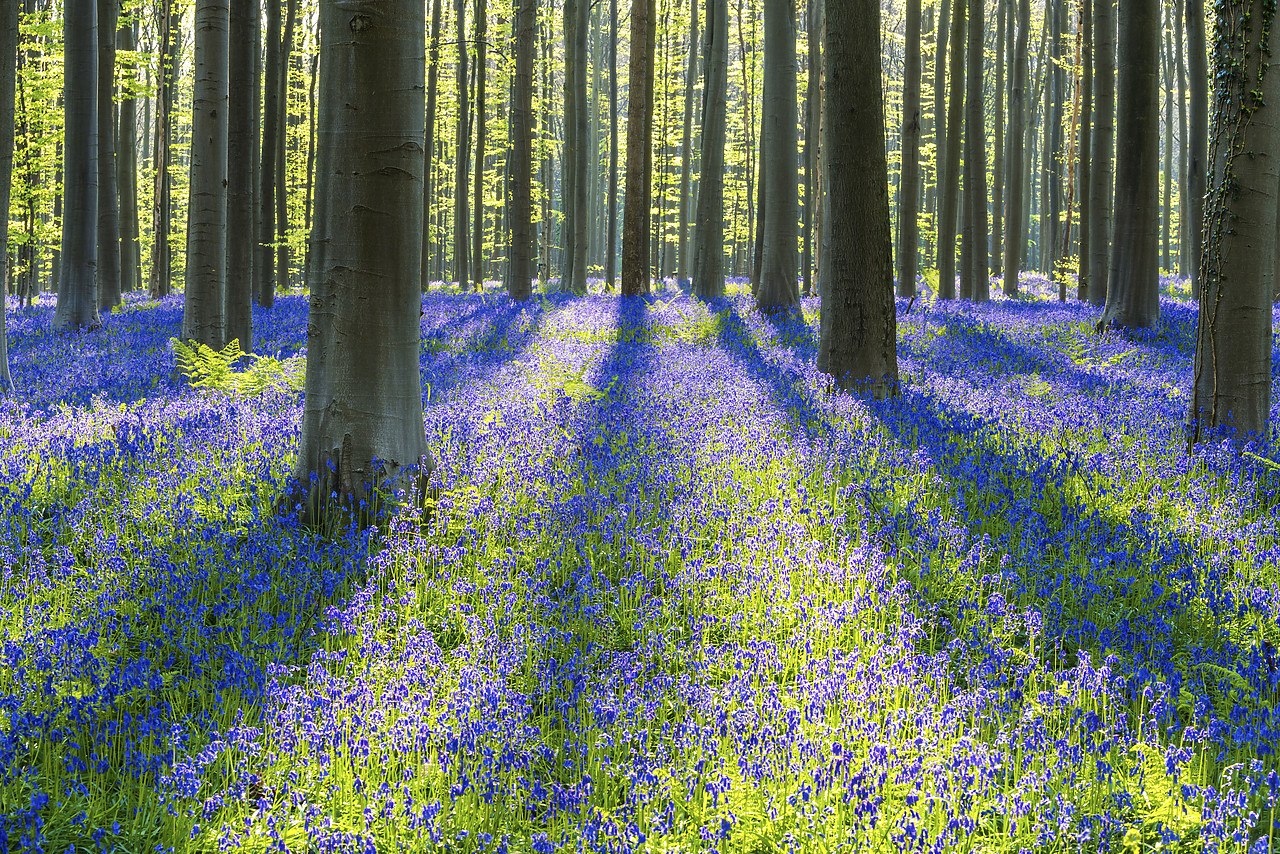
column 362, row 423
column 519, row 283
column 462, row 140
column 909, row 180
column 1086, row 150
column 77, row 303
column 977, row 233
column 203, row 317
column 708, row 260
column 686, row 151
column 108, row 196
column 859, row 324
column 1014, row 235
column 1197, row 133
column 1102, row 147
column 127, row 173
column 481, row 116
column 949, row 195
column 241, row 146
column 779, row 288
column 8, row 89
column 271, row 131
column 1133, row 291
column 429, row 140
column 635, row 212
column 1231, row 388
column 611, row 252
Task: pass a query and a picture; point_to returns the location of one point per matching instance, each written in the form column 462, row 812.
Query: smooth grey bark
column 242, row 144
column 1086, row 151
column 941, row 33
column 682, row 239
column 611, row 252
column 127, row 172
column 8, row 92
column 429, row 140
column 909, row 179
column 1133, row 289
column 977, row 231
column 1197, row 132
column 708, row 259
column 859, row 326
column 779, row 288
column 461, row 156
column 271, row 131
column 812, row 121
column 998, row 179
column 519, row 283
column 1166, row 224
column 1231, row 387
column 949, row 179
column 1102, row 148
column 362, row 422
column 635, row 211
column 573, row 276
column 282, row 185
column 481, row 116
column 108, row 194
column 1184, row 207
column 1051, row 190
column 161, row 253
column 1014, row 235
column 204, row 301
column 77, row 297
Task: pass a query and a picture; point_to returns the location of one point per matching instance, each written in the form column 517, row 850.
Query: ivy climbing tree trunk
column 779, row 289
column 708, row 259
column 1133, row 288
column 859, row 326
column 1232, row 374
column 362, row 424
column 909, row 180
column 77, row 303
column 519, row 284
column 108, row 196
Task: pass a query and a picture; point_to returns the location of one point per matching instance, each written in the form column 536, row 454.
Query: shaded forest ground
column 675, row 595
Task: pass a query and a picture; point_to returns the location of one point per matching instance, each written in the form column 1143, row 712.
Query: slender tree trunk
column 779, row 286
column 1231, row 388
column 241, row 145
column 1197, row 133
column 686, row 150
column 940, row 129
column 708, row 262
column 77, row 303
column 950, row 180
column 1166, row 230
column 519, row 285
column 481, row 118
column 1133, row 292
column 997, row 167
column 975, row 178
column 429, row 139
column 363, row 398
column 1064, row 244
column 635, row 212
column 909, row 180
column 461, row 261
column 271, row 131
column 127, row 172
column 1102, row 146
column 8, row 89
column 859, row 326
column 1086, row 151
column 204, row 301
column 611, row 252
column 1184, row 206
column 282, row 182
column 108, row 197
column 161, row 261
column 812, row 113
column 1015, row 237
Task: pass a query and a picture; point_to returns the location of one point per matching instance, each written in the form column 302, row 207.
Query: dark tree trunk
column 812, row 122
column 686, row 151
column 271, row 132
column 635, row 212
column 77, row 304
column 978, row 285
column 481, row 117
column 8, row 88
column 611, row 252
column 363, row 398
column 708, row 260
column 908, row 183
column 429, row 140
column 997, row 167
column 282, row 184
column 950, row 176
column 941, row 34
column 1102, row 146
column 241, row 147
column 519, row 285
column 1014, row 234
column 108, row 197
column 1197, row 132
column 462, row 154
column 1086, row 151
column 859, row 325
column 127, row 173
column 1184, row 207
column 779, row 289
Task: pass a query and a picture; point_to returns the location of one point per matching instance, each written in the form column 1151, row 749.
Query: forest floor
column 675, row 595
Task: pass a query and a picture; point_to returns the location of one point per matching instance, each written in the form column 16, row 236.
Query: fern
column 214, row 370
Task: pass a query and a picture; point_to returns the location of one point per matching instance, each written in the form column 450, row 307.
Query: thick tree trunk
column 108, row 197
column 779, row 288
column 77, row 303
column 8, row 88
column 1014, row 235
column 1102, row 146
column 1231, row 388
column 859, row 325
column 977, row 233
column 481, row 117
column 127, row 173
column 708, row 261
column 1197, row 133
column 429, row 140
column 362, row 423
column 203, row 317
column 909, row 180
column 519, row 284
column 686, row 151
column 241, row 146
column 950, row 175
column 635, row 212
column 1133, row 292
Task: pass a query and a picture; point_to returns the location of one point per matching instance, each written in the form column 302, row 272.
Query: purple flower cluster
column 676, row 594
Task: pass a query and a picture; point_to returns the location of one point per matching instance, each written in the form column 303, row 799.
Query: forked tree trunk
column 362, row 421
column 519, row 284
column 1231, row 388
column 859, row 326
column 108, row 197
column 708, row 260
column 77, row 303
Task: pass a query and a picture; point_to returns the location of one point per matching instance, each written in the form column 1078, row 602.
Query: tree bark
column 127, row 172
column 909, row 179
column 519, row 284
column 481, row 117
column 204, row 301
column 1231, row 389
column 635, row 212
column 682, row 244
column 940, row 130
column 950, row 176
column 1014, row 235
column 708, row 262
column 1133, row 293
column 779, row 288
column 8, row 89
column 975, row 178
column 108, row 194
column 997, row 166
column 1197, row 132
column 282, row 182
column 1102, row 146
column 77, row 304
column 1184, row 206
column 362, row 421
column 271, row 131
column 859, row 325
column 1086, row 150
column 241, row 145
column 812, row 112
column 462, row 154
column 429, row 140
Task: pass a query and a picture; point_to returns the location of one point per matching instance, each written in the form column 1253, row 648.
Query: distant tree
column 949, row 176
column 779, row 289
column 362, row 420
column 242, row 107
column 576, row 161
column 519, row 283
column 1231, row 387
column 708, row 241
column 8, row 89
column 1014, row 236
column 77, row 294
column 635, row 211
column 611, row 237
column 108, row 197
column 429, row 140
column 1101, row 147
column 267, row 171
column 168, row 23
column 909, row 179
column 1197, row 132
column 975, row 282
column 203, row 317
column 481, row 118
column 462, row 148
column 686, row 155
column 859, row 325
column 127, row 165
column 1133, row 287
